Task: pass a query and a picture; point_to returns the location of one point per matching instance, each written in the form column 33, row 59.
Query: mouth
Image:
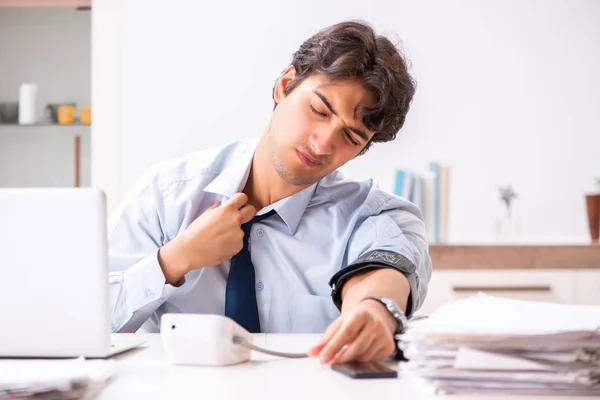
column 307, row 160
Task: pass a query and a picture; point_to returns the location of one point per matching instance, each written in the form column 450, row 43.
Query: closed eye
column 349, row 138
column 346, row 134
column 317, row 112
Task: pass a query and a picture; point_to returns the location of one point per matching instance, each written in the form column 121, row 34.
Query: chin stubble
column 281, row 168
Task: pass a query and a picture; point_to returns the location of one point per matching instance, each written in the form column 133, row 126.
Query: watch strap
column 394, row 310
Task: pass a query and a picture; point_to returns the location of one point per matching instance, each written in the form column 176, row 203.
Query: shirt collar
column 292, row 208
column 233, row 179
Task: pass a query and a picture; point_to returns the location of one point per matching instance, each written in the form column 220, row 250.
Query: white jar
column 27, row 103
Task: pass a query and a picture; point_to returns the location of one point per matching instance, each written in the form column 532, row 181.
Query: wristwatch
column 395, row 311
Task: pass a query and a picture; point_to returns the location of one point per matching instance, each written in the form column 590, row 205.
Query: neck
column 264, row 186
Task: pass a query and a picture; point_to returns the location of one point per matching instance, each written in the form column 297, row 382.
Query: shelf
column 46, row 3
column 41, row 124
column 585, row 255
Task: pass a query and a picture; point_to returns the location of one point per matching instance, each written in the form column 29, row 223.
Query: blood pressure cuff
column 375, row 259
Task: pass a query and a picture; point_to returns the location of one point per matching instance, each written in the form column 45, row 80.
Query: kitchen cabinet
column 539, row 285
column 567, row 274
column 587, row 287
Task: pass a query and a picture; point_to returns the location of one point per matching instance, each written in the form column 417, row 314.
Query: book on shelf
column 430, row 191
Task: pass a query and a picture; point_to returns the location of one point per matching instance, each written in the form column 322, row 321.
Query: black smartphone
column 365, row 370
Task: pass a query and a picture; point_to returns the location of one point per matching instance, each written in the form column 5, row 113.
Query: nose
column 322, row 142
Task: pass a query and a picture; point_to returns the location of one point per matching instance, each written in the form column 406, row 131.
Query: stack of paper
column 52, row 379
column 485, row 344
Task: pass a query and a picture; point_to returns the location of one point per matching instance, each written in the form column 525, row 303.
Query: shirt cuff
column 145, row 282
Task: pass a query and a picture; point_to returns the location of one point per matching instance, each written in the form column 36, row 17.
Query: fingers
column 359, row 347
column 347, row 333
column 331, row 330
column 375, row 353
column 237, row 201
column 356, row 337
column 379, row 355
column 214, row 205
column 247, row 212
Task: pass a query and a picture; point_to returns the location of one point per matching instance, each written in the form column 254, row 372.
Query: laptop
column 54, row 274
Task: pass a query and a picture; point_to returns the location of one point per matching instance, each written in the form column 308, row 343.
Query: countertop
column 515, row 256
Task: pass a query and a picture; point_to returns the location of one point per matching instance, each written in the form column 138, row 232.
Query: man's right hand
column 213, row 237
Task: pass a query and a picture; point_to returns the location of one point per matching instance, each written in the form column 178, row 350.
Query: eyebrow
column 354, row 129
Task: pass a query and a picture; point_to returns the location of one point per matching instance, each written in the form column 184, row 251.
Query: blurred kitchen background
column 508, row 100
column 508, row 95
column 48, row 49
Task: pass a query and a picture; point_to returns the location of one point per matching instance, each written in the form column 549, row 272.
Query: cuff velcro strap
column 372, row 260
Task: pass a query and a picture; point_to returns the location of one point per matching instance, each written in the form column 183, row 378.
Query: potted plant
column 506, row 224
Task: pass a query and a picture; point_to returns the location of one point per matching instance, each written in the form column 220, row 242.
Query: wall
column 51, row 47
column 509, row 92
column 107, row 69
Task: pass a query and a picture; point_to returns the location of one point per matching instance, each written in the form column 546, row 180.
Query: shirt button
column 260, row 286
column 260, row 232
column 150, row 293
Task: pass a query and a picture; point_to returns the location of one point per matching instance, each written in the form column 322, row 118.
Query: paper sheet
column 486, row 314
column 70, row 377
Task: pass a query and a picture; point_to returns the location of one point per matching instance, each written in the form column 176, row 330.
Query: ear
column 284, row 80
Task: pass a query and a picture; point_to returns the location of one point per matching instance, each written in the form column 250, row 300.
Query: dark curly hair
column 352, row 50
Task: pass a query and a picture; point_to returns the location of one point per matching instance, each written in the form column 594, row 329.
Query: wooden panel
column 495, row 289
column 515, row 257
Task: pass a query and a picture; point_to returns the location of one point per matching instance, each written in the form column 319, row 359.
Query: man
column 188, row 237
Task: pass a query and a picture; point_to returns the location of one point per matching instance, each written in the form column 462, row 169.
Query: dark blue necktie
column 240, row 294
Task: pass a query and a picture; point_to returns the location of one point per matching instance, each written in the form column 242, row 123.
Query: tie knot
column 258, row 218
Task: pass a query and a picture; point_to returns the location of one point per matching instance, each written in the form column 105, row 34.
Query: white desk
column 145, row 374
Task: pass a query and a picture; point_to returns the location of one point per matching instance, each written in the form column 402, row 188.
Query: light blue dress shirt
column 314, row 234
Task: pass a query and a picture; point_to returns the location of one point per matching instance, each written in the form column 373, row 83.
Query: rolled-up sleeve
column 395, row 237
column 136, row 232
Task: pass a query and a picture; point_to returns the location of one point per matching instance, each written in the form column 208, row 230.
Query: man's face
column 317, row 127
